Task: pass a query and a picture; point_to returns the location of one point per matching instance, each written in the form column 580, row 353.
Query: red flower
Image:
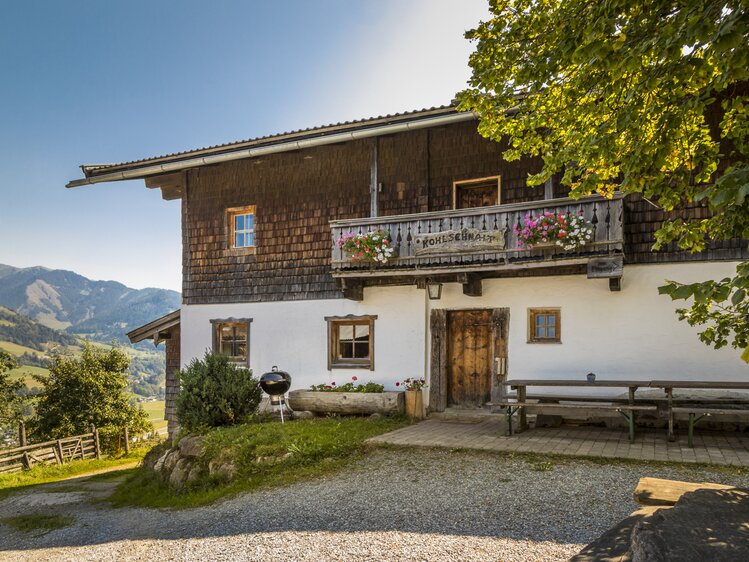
column 397, row 384
column 333, row 383
column 353, row 378
column 360, row 254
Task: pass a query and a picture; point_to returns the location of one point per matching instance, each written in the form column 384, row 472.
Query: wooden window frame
column 336, row 362
column 233, row 212
column 216, row 324
column 461, row 183
column 533, row 313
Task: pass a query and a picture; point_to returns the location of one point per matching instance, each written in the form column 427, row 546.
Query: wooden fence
column 60, row 451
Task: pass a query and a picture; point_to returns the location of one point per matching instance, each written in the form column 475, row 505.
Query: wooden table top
column 574, row 382
column 707, row 385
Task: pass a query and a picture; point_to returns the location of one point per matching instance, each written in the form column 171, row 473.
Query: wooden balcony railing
column 486, row 238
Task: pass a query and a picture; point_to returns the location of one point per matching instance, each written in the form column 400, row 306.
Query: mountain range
column 98, row 310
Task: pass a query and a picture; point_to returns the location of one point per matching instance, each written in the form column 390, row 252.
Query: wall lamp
column 434, row 290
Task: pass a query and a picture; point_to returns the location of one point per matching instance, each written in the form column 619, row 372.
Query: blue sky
column 92, row 82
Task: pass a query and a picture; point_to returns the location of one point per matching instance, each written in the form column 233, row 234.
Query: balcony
column 482, row 242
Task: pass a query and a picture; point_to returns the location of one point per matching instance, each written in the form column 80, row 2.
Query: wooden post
column 58, row 448
column 95, row 433
column 26, row 461
column 21, row 434
column 127, row 441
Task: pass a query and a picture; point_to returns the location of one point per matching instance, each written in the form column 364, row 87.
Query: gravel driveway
column 394, row 504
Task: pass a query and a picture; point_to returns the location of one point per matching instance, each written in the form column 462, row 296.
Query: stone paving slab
column 710, row 447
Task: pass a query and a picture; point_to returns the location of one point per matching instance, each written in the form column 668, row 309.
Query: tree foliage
column 11, row 401
column 215, row 392
column 86, row 389
column 642, row 97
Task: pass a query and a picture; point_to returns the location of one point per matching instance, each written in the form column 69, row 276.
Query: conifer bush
column 215, row 392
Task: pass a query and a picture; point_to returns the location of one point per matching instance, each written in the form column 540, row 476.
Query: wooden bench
column 626, row 410
column 697, row 413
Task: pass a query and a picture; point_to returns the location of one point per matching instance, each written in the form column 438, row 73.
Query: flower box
column 347, row 403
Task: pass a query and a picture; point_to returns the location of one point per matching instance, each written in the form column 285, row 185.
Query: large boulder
column 192, row 446
column 703, row 525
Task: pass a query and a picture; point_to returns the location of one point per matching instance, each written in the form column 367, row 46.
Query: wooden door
column 469, row 376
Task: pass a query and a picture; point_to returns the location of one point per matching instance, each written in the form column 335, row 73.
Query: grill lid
column 275, row 382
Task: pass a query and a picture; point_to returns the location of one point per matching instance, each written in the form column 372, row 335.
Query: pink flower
column 353, row 378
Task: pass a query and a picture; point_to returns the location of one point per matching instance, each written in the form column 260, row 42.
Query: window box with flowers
column 351, row 398
column 560, row 230
column 374, row 247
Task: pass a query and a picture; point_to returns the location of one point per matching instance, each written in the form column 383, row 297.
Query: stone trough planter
column 347, row 403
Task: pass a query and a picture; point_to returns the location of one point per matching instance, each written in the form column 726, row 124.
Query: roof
column 94, row 170
column 156, row 329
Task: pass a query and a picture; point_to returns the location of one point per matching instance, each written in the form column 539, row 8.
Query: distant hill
column 32, row 345
column 98, row 310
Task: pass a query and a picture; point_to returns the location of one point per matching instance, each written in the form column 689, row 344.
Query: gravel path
column 394, row 504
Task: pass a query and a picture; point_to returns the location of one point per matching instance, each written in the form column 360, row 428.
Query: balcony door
column 482, row 192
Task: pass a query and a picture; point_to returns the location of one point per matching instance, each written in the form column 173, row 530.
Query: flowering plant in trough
column 412, row 383
column 349, row 387
column 374, row 246
column 565, row 230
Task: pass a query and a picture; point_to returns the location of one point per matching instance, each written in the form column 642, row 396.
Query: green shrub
column 214, row 392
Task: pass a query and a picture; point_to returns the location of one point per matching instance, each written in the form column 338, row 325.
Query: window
column 231, row 337
column 544, row 325
column 482, row 192
column 242, row 227
column 351, row 342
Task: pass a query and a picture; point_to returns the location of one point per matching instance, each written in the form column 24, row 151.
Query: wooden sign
column 456, row 241
column 608, row 267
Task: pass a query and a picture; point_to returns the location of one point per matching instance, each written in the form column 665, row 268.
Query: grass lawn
column 265, row 455
column 25, row 374
column 16, row 481
column 155, row 411
column 17, row 349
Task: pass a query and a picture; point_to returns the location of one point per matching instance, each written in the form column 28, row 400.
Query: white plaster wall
column 630, row 334
column 293, row 335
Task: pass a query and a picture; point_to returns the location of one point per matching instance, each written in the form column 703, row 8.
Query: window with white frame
column 242, row 227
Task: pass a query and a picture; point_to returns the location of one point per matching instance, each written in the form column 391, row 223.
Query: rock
column 304, row 415
column 192, row 446
column 195, row 473
column 159, row 464
column 171, row 460
column 222, row 469
column 273, row 460
column 179, row 473
column 703, row 525
column 376, row 416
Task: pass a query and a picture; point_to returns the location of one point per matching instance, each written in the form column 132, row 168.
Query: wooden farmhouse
column 461, row 300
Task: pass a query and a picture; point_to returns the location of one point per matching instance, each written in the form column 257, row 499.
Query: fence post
column 127, row 441
column 58, row 448
column 21, row 434
column 95, row 433
column 26, row 461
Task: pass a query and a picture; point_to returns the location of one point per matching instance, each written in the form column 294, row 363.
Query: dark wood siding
column 297, row 193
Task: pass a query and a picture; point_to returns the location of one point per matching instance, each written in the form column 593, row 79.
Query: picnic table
column 626, row 408
column 695, row 411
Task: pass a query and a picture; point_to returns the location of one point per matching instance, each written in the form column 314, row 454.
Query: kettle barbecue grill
column 276, row 384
